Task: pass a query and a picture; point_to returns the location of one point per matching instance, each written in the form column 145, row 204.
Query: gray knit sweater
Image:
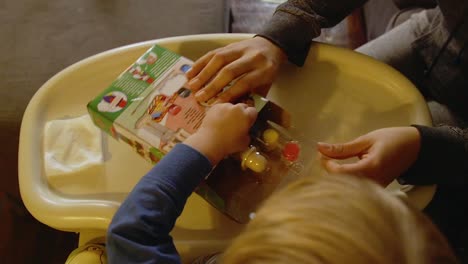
column 443, row 158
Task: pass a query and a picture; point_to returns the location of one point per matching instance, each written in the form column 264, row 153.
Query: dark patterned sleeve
column 443, row 157
column 296, row 22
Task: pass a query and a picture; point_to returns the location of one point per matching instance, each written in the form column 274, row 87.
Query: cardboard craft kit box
column 149, row 108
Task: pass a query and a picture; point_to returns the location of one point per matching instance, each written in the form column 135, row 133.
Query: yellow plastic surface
column 336, row 96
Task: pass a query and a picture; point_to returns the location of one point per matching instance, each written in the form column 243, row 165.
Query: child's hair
column 338, row 219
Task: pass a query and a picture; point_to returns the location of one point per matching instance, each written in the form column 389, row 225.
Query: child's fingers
column 252, row 114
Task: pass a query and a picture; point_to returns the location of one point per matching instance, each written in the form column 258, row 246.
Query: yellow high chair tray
column 336, row 96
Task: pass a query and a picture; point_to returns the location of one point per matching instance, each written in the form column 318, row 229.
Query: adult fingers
column 344, row 150
column 200, row 64
column 212, row 67
column 241, row 87
column 357, row 168
column 224, row 77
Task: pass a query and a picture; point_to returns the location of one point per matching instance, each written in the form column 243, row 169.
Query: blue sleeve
column 139, row 231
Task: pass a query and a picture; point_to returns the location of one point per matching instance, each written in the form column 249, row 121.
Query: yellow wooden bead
column 270, row 136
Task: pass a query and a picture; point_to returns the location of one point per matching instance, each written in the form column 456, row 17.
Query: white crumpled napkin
column 71, row 145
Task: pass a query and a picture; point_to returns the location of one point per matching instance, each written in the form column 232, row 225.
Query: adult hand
column 384, row 154
column 225, row 130
column 255, row 62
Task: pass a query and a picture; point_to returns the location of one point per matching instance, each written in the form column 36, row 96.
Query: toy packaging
column 149, row 108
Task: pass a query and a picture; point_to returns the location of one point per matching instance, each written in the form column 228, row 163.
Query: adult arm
column 442, row 159
column 296, row 22
column 415, row 155
column 254, row 63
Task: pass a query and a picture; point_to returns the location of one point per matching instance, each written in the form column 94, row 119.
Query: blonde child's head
column 338, row 219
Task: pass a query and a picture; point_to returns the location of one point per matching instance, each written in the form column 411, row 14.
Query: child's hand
column 224, row 131
column 383, row 154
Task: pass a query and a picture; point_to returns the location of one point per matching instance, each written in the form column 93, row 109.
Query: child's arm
column 139, row 232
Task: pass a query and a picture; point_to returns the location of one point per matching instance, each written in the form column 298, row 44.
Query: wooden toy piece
column 253, row 160
column 271, row 138
column 291, row 151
